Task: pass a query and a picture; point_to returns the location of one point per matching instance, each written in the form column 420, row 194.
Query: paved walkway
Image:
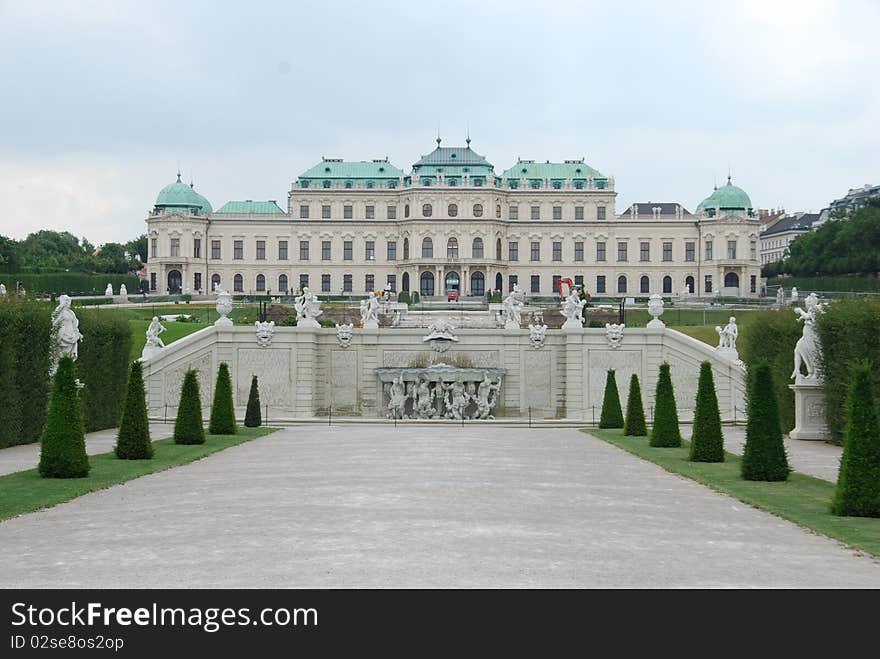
column 419, row 506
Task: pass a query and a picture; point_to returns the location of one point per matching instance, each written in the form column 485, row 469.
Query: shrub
column 133, row 440
column 222, row 410
column 403, row 297
column 63, row 450
column 188, row 428
column 288, row 321
column 635, row 411
column 252, row 417
column 611, row 417
column 764, row 456
column 10, row 403
column 858, row 483
column 665, row 431
column 707, row 442
column 103, row 365
column 415, row 297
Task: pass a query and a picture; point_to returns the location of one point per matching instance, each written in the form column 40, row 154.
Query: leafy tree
column 707, row 442
column 635, row 411
column 612, row 417
column 222, row 410
column 63, row 450
column 665, row 431
column 133, row 440
column 764, row 456
column 252, row 417
column 188, row 428
column 9, row 256
column 858, row 483
column 137, row 247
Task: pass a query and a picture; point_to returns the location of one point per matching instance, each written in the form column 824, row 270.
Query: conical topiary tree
column 665, row 431
column 611, row 417
column 222, row 410
column 858, row 482
column 188, row 428
column 764, row 456
column 133, row 440
column 63, row 444
column 252, row 417
column 634, row 425
column 707, row 442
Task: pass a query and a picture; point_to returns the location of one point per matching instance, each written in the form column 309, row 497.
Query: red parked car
column 452, row 295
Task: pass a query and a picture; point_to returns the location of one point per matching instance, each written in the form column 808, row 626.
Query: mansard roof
column 573, row 169
column 668, row 210
column 336, row 168
column 452, row 156
column 250, row 207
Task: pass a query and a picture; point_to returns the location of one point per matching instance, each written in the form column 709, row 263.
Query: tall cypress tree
column 222, row 409
column 764, row 456
column 858, row 482
column 665, row 431
column 707, row 442
column 63, row 444
column 634, row 425
column 133, row 440
column 252, row 417
column 188, row 428
column 612, row 417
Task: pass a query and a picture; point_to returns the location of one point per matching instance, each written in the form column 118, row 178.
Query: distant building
column 780, row 233
column 855, row 198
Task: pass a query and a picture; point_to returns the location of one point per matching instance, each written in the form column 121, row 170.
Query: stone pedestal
column 573, row 323
column 371, row 324
column 809, row 411
column 728, row 353
column 149, row 351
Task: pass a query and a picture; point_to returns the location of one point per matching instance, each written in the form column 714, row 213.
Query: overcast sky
column 100, row 101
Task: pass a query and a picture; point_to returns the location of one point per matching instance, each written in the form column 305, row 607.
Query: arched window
column 689, row 284
column 731, row 280
column 453, row 210
column 370, row 184
column 499, row 281
column 406, row 210
column 427, row 248
column 498, row 253
column 261, row 283
column 406, row 251
column 478, row 210
column 644, row 284
column 477, row 249
column 404, row 286
column 667, row 284
column 621, row 284
column 427, row 210
column 498, row 210
column 215, row 282
column 452, row 248
column 478, row 283
column 348, row 184
column 238, row 284
column 426, row 284
column 282, row 283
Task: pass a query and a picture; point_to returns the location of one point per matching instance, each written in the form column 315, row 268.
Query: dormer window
column 303, row 184
column 370, row 184
column 326, row 184
column 348, row 184
column 327, row 169
column 452, row 156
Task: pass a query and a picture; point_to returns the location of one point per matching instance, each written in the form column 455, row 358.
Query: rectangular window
column 600, row 284
column 346, row 212
column 370, row 212
column 197, row 248
column 556, row 280
column 600, row 251
column 370, row 251
column 731, row 249
column 557, row 212
column 346, row 283
column 238, row 249
column 325, row 212
column 513, row 213
column 600, row 212
column 708, row 250
column 175, row 247
column 325, row 250
column 392, row 250
column 578, row 212
column 512, row 280
column 154, row 249
column 303, row 281
column 535, row 252
column 578, row 250
column 667, row 251
column 261, row 250
column 392, row 283
column 303, row 250
column 621, row 251
column 197, row 281
column 708, row 284
column 513, row 251
column 690, row 252
column 753, row 283
column 215, row 249
column 325, row 283
column 304, row 212
column 536, row 284
column 282, row 250
column 153, row 280
column 536, row 212
column 644, row 251
column 753, row 251
column 392, row 213
column 347, row 250
column 579, row 281
column 557, row 251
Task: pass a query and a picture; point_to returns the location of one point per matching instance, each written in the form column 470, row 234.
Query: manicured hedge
column 222, row 420
column 188, row 427
column 63, row 444
column 133, row 440
column 764, row 457
column 707, row 442
column 634, row 425
column 665, row 431
column 253, row 417
column 103, row 366
column 72, row 283
column 612, row 416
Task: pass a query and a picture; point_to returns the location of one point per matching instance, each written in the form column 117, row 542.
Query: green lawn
column 703, row 333
column 803, row 499
column 173, row 331
column 25, row 491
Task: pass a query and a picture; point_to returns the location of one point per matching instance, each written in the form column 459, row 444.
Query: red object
column 452, row 296
column 564, row 281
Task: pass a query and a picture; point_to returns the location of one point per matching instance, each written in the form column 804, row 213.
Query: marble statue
column 573, row 310
column 424, row 400
column 487, row 396
column 65, row 326
column 109, row 290
column 655, row 308
column 308, row 308
column 2, row 290
column 728, row 334
column 153, row 332
column 224, row 307
column 370, row 312
column 512, row 308
column 123, row 290
column 265, row 330
column 397, row 404
column 344, row 334
column 780, row 296
column 614, row 334
column 795, row 296
column 806, row 350
column 537, row 335
column 441, row 334
column 456, row 400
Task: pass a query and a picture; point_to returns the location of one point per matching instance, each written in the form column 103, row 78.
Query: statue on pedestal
column 397, row 403
column 806, row 350
column 370, row 312
column 65, row 326
column 487, row 396
column 512, row 307
column 308, row 308
column 109, row 290
column 123, row 291
column 573, row 310
column 153, row 332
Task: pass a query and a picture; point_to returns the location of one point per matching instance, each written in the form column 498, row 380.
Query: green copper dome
column 180, row 196
column 727, row 198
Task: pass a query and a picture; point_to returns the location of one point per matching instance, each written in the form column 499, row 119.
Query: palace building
column 453, row 224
